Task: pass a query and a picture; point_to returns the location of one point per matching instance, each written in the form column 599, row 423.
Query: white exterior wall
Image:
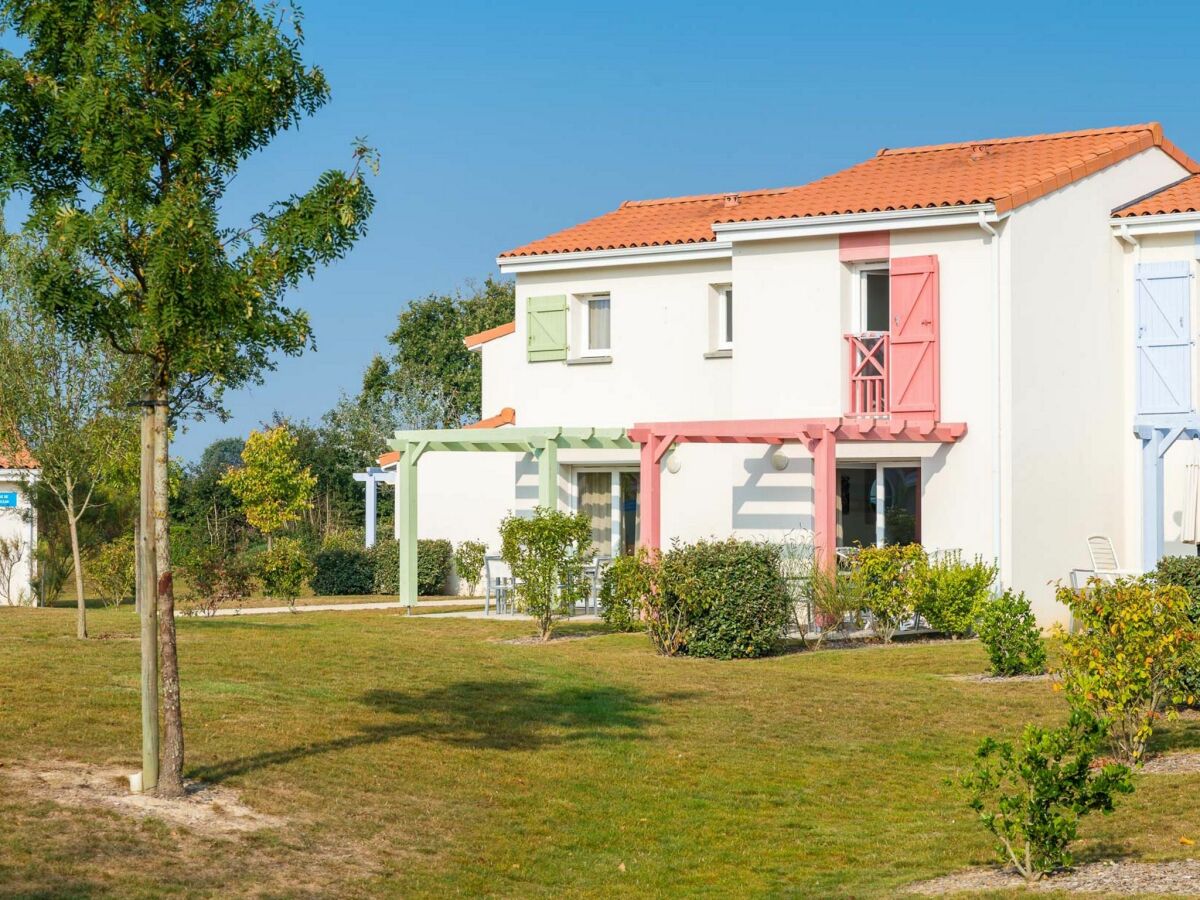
column 1036, row 352
column 18, row 524
column 1070, row 367
column 1180, row 247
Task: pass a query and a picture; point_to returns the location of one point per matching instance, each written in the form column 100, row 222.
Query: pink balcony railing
column 868, row 373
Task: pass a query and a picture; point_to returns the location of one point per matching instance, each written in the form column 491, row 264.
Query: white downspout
column 997, row 412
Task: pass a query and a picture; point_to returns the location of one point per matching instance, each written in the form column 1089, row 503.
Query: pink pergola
column 819, row 436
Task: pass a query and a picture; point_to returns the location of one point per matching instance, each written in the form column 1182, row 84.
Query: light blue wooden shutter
column 1164, row 343
column 547, row 328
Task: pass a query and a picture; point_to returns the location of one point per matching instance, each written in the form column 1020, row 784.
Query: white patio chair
column 1104, row 563
column 495, row 574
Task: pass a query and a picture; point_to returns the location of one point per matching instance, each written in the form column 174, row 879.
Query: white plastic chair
column 1104, row 563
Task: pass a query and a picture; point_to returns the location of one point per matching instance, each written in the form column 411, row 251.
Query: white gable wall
column 1070, row 367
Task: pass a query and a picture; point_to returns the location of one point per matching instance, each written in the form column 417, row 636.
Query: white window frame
column 881, row 487
column 724, row 308
column 860, row 293
column 585, row 348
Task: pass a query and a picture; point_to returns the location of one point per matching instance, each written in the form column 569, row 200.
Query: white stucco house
column 18, row 525
column 937, row 344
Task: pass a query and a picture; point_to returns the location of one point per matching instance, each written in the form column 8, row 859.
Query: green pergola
column 542, row 443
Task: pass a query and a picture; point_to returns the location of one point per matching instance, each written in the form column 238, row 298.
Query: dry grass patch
column 1123, row 878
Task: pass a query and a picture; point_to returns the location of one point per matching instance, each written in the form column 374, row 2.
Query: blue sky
column 501, row 122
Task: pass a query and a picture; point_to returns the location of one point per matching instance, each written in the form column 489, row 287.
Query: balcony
column 869, row 356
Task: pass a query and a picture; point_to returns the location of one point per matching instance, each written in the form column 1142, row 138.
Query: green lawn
column 418, row 757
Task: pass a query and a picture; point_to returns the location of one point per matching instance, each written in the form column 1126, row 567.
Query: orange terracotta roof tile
column 1181, row 197
column 389, row 459
column 506, row 416
column 478, row 340
column 1007, row 172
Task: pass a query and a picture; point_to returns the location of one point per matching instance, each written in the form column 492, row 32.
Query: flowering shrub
column 114, row 571
column 1010, row 634
column 1031, row 797
column 469, row 557
column 1126, row 662
column 891, row 582
column 1184, row 571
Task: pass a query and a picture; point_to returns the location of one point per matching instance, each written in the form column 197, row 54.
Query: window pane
column 902, row 505
column 598, row 323
column 856, row 507
column 728, row 336
column 595, row 502
column 876, row 301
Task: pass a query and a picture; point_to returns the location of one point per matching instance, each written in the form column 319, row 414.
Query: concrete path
column 343, row 607
column 496, row 617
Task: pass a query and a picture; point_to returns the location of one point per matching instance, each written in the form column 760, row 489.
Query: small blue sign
column 8, row 499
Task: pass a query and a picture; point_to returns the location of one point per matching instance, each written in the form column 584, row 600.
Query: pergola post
column 406, row 519
column 1152, row 498
column 372, row 487
column 824, row 453
column 650, row 487
column 547, row 457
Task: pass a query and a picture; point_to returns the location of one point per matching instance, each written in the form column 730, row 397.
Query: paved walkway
column 344, row 607
column 496, row 617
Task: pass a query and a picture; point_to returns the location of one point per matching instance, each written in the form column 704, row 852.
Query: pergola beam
column 820, row 436
column 542, row 443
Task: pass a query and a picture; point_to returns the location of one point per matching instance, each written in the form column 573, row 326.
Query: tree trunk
column 81, row 606
column 147, row 589
column 170, row 783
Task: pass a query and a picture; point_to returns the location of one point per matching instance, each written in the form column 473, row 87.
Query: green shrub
column 385, row 556
column 1031, row 797
column 1126, row 662
column 344, row 539
column 734, row 596
column 433, row 566
column 434, row 558
column 469, row 557
column 284, row 569
column 547, row 553
column 623, row 588
column 1011, row 637
column 339, row 572
column 1184, row 571
column 113, row 571
column 217, row 576
column 954, row 592
column 891, row 581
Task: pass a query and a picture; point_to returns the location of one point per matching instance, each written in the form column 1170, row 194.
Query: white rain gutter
column 729, row 233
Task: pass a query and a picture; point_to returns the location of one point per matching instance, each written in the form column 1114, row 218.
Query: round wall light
column 779, row 460
column 673, row 463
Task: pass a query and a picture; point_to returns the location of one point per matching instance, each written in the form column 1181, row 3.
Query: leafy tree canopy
column 272, row 485
column 429, row 355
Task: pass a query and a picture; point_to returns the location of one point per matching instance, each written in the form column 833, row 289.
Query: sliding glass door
column 878, row 503
column 609, row 500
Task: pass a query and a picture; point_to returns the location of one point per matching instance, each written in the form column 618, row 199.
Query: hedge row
column 343, row 571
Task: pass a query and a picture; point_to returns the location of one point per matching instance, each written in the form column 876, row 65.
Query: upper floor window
column 725, row 317
column 874, row 297
column 597, row 325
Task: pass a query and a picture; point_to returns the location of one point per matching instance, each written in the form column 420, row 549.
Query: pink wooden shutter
column 915, row 386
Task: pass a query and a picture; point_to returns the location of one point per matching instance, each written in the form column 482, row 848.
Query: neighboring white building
column 985, row 278
column 18, row 523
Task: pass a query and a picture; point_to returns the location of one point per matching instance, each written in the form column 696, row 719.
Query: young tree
column 272, row 486
column 64, row 403
column 125, row 122
column 430, row 356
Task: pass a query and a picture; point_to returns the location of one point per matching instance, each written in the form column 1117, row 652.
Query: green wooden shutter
column 547, row 319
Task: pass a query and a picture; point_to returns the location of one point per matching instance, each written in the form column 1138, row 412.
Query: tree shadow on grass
column 520, row 715
column 1182, row 734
